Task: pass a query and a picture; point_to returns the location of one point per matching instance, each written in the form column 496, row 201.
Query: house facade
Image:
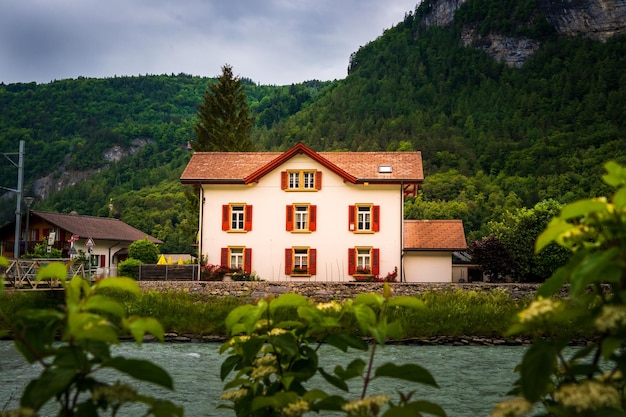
column 105, row 240
column 302, row 215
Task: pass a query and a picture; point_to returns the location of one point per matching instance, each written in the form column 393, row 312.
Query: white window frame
column 236, row 257
column 301, row 217
column 364, row 214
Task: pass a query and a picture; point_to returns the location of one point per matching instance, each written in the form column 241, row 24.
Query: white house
column 304, row 215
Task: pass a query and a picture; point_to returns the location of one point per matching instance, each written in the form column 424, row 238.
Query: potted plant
column 214, row 272
column 300, row 270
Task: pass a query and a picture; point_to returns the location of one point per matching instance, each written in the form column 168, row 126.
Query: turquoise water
column 471, row 378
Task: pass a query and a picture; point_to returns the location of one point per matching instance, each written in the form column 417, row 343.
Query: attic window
column 384, row 169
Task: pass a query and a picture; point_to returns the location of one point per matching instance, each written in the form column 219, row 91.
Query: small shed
column 428, row 248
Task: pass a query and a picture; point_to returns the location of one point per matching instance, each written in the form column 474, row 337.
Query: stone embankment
column 325, row 291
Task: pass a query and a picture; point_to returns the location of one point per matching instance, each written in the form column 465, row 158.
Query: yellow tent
column 180, row 261
column 170, row 261
column 161, row 260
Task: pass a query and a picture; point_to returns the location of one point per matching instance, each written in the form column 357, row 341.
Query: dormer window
column 384, row 169
column 301, row 180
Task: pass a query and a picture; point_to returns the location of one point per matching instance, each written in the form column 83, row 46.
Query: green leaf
column 161, row 408
column 407, row 372
column 369, row 299
column 407, row 301
column 84, row 326
column 139, row 326
column 538, row 364
column 334, row 380
column 416, row 408
column 553, row 231
column 619, row 199
column 584, row 208
column 611, row 345
column 52, row 381
column 278, row 401
column 104, row 304
column 54, row 270
column 592, row 269
column 228, row 365
column 553, row 284
column 355, row 369
column 119, row 283
column 393, row 330
column 365, row 316
column 616, row 174
column 141, row 370
column 285, row 343
column 343, row 341
column 287, row 300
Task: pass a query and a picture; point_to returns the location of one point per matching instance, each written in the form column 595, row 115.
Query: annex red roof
column 248, row 167
column 434, row 235
column 100, row 228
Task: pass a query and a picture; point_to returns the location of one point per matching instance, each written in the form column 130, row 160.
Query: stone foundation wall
column 325, row 291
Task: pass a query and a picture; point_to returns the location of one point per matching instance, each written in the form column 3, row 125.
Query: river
column 471, row 378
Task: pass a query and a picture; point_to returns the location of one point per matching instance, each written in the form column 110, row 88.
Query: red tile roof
column 100, row 228
column 434, row 235
column 245, row 167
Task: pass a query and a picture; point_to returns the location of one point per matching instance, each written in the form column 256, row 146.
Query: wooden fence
column 167, row 273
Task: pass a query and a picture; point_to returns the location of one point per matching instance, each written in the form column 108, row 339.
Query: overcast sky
column 269, row 41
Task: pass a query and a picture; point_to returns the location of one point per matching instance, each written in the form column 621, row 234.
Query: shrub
column 129, row 268
column 144, row 250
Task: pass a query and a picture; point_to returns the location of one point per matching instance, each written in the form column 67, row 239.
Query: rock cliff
column 596, row 19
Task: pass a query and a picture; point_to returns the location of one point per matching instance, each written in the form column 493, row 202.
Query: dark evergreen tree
column 224, row 117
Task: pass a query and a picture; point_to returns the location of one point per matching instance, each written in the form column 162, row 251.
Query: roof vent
column 384, row 169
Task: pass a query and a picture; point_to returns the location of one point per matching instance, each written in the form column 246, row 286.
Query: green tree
column 519, row 230
column 144, row 251
column 224, row 118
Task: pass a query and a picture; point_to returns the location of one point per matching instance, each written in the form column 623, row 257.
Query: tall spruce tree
column 224, row 117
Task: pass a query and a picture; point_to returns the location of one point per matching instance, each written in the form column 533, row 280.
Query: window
column 236, row 217
column 300, row 261
column 364, row 218
column 363, row 261
column 304, row 180
column 301, row 217
column 237, row 258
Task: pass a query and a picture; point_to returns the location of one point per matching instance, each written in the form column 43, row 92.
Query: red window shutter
column 247, row 260
column 318, row 180
column 312, row 261
column 248, row 219
column 288, row 261
column 102, row 259
column 312, row 218
column 224, row 257
column 289, row 219
column 225, row 217
column 283, row 180
column 351, row 218
column 351, row 261
column 376, row 220
column 375, row 261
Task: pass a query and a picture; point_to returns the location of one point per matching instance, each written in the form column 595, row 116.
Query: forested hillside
column 493, row 137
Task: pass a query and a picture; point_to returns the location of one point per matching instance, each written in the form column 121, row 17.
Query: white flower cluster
column 542, row 308
column 611, row 318
column 330, row 307
column 234, row 395
column 264, row 366
column 514, row 407
column 588, row 395
column 366, row 405
column 295, row 409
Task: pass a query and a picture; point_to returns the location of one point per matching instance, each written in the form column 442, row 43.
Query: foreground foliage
column 73, row 343
column 272, row 358
column 590, row 381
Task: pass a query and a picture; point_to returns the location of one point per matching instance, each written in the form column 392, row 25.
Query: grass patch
column 448, row 313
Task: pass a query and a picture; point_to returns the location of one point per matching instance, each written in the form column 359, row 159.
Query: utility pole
column 19, row 191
